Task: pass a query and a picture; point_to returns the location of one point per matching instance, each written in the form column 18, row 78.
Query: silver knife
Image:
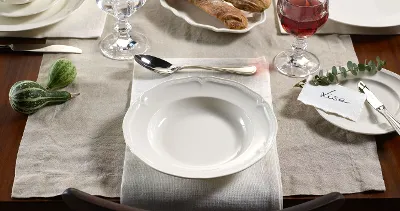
column 42, row 48
column 378, row 105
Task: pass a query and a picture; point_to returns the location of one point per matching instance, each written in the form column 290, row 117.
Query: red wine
column 302, row 18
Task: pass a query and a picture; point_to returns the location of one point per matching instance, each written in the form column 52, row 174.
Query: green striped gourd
column 62, row 73
column 27, row 97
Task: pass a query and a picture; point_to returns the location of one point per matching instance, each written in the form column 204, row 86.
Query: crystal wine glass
column 301, row 18
column 123, row 44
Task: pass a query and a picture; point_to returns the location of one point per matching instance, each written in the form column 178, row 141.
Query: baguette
column 251, row 5
column 232, row 17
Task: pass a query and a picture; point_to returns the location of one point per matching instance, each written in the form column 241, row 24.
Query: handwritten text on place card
column 335, row 99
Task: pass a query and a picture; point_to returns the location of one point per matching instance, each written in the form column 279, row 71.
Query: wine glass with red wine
column 301, row 18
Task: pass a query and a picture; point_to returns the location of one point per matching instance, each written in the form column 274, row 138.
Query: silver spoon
column 165, row 68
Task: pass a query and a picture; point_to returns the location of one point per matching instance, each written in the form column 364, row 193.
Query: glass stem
column 299, row 46
column 123, row 27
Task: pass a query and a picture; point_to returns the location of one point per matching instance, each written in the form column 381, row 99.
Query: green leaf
column 314, row 83
column 381, row 64
column 361, row 67
column 334, row 70
column 355, row 66
column 378, row 59
column 343, row 71
column 354, row 72
column 300, row 84
column 379, row 67
column 349, row 65
column 370, row 63
column 374, row 69
column 325, row 81
column 331, row 77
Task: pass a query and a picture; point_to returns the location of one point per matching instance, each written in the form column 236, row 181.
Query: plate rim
column 209, row 173
column 323, row 114
column 45, row 22
column 35, row 13
column 361, row 25
column 365, row 26
column 212, row 28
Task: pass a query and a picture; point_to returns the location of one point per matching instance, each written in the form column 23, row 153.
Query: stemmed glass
column 301, row 18
column 123, row 44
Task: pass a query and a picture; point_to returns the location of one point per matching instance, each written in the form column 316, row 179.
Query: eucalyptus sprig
column 332, row 77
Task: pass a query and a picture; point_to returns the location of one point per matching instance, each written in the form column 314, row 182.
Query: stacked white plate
column 35, row 14
column 366, row 13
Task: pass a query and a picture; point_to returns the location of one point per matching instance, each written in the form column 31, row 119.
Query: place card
column 336, row 99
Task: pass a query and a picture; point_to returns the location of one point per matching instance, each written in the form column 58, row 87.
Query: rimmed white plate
column 59, row 11
column 200, row 127
column 196, row 17
column 33, row 8
column 366, row 13
column 15, row 1
column 386, row 86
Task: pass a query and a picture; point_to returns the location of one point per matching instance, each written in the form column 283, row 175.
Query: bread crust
column 251, row 5
column 232, row 17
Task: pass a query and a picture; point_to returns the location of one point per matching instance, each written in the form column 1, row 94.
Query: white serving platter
column 196, row 17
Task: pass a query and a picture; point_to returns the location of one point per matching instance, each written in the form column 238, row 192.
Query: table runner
column 315, row 156
column 256, row 188
column 86, row 22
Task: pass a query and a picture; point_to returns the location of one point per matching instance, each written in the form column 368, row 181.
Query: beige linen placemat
column 315, row 156
column 77, row 144
column 86, row 22
column 256, row 188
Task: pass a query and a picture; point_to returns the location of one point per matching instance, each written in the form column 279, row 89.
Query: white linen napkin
column 86, row 22
column 256, row 188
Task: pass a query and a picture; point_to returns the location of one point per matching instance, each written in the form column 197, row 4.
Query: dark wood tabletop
column 25, row 66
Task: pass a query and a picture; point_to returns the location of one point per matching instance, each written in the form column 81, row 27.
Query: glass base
column 300, row 66
column 124, row 48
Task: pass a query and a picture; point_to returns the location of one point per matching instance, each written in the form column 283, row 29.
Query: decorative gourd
column 62, row 73
column 27, row 97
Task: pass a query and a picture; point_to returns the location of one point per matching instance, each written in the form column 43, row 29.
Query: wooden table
column 23, row 66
